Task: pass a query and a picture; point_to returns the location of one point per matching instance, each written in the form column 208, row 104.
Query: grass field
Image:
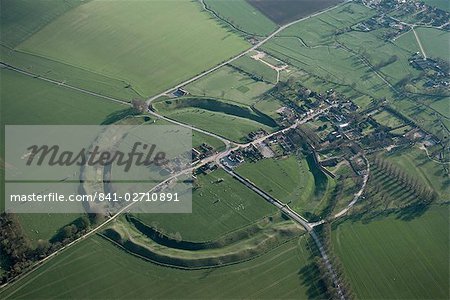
column 187, row 41
column 387, row 119
column 242, row 16
column 416, row 163
column 19, row 19
column 30, row 101
column 217, row 208
column 256, row 69
column 320, row 29
column 441, row 4
column 287, row 179
column 227, row 119
column 231, row 127
column 328, row 63
column 291, row 10
column 431, row 40
column 230, row 84
column 95, row 268
column 390, row 258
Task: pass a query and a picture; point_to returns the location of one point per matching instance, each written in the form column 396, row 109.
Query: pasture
column 187, row 42
column 95, row 268
column 330, row 64
column 256, row 69
column 223, row 118
column 441, row 4
column 293, row 180
column 391, row 258
column 230, row 84
column 287, row 179
column 431, row 40
column 416, row 163
column 228, row 126
column 387, row 119
column 320, row 29
column 242, row 16
column 220, row 205
column 291, row 9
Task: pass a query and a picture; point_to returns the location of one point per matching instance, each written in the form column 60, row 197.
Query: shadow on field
column 118, row 115
column 310, row 274
column 405, row 214
column 310, row 277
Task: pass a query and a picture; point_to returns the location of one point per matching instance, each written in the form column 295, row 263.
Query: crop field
column 242, row 16
column 29, row 101
column 431, row 40
column 291, row 9
column 188, row 41
column 64, row 73
column 19, row 19
column 220, row 204
column 391, row 258
column 256, row 69
column 281, row 273
column 230, row 84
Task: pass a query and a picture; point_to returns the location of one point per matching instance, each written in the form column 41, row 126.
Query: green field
column 242, row 16
column 320, row 30
column 48, row 68
column 287, row 179
column 230, row 127
column 256, row 69
column 390, row 258
column 227, row 119
column 30, row 101
column 19, row 19
column 332, row 64
column 89, row 36
column 431, row 39
column 416, row 163
column 230, row 84
column 387, row 119
column 95, row 268
column 218, row 207
column 441, row 4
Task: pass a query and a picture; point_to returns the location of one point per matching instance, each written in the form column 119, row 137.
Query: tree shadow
column 119, row 115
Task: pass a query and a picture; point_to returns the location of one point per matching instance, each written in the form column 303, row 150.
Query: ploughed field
column 290, row 10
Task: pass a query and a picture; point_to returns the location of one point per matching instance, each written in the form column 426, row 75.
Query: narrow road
column 420, row 44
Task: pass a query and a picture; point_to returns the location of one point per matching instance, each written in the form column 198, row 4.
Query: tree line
column 18, row 254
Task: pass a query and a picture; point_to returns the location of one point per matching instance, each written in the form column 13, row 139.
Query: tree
column 139, row 105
